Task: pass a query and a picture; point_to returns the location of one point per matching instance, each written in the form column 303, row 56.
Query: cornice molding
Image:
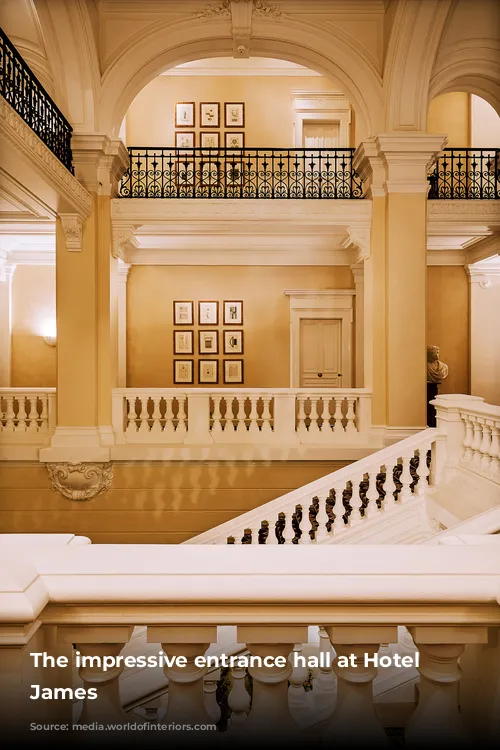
column 20, row 136
column 464, row 208
column 359, row 238
column 446, row 257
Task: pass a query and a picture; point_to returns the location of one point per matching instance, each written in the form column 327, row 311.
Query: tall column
column 123, row 270
column 358, row 273
column 6, row 275
column 84, row 264
column 484, row 282
column 395, row 167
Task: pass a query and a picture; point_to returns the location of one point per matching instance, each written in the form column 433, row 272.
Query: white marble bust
column 436, row 371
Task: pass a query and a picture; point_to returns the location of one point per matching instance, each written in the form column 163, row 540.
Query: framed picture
column 184, row 115
column 234, row 140
column 208, row 313
column 185, row 173
column 233, row 371
column 183, row 342
column 208, row 370
column 234, row 115
column 184, row 139
column 208, row 342
column 210, row 140
column 183, row 371
column 209, row 114
column 233, row 342
column 233, row 312
column 183, row 313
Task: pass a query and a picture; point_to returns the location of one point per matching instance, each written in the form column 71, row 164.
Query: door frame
column 325, row 304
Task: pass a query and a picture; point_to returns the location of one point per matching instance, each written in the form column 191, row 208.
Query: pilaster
column 484, row 296
column 6, row 275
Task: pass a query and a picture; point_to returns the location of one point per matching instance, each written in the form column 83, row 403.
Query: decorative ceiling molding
column 241, row 13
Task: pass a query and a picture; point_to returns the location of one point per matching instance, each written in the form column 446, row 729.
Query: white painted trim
column 327, row 304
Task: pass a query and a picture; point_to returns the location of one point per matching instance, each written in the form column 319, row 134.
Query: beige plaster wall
column 266, row 315
column 33, row 311
column 451, row 114
column 485, row 341
column 448, row 323
column 268, row 107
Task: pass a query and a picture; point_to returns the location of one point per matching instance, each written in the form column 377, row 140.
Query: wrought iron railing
column 241, row 173
column 472, row 173
column 24, row 92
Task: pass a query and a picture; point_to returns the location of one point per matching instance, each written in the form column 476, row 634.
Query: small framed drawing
column 208, row 342
column 183, row 313
column 209, row 140
column 233, row 342
column 233, row 312
column 183, row 342
column 208, row 313
column 233, row 371
column 208, row 371
column 184, row 115
column 184, row 139
column 183, row 371
column 209, row 114
column 234, row 140
column 234, row 115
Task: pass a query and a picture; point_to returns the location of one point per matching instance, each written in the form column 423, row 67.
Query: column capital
column 100, row 162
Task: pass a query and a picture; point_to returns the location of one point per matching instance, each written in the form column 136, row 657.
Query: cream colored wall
column 448, row 323
column 450, row 114
column 266, row 315
column 33, row 310
column 485, row 124
column 485, row 341
column 268, row 107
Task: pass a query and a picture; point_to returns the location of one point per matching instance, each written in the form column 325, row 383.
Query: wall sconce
column 50, row 333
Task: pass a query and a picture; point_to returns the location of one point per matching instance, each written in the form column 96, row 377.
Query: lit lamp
column 50, row 333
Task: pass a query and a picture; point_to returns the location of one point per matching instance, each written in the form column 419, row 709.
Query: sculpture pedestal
column 432, row 392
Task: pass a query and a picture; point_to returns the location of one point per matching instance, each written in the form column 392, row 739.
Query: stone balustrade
column 92, row 596
column 202, row 416
column 27, row 415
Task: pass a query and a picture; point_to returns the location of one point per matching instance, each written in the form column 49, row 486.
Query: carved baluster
column 32, row 416
column 325, row 684
column 350, row 416
column 182, row 419
column 406, row 479
column 9, row 414
column 131, row 416
column 238, row 699
column 21, row 413
column 210, row 695
column 485, row 447
column 270, row 715
column 372, row 495
column 353, row 722
column 43, row 421
column 389, row 486
column 337, row 494
column 156, row 417
column 338, row 428
column 356, row 501
column 322, row 534
column 168, row 429
column 217, row 416
column 253, row 427
column 476, row 443
column 254, row 534
column 186, row 704
column 468, row 438
column 495, row 448
column 314, row 415
column 288, row 531
column 300, row 672
column 271, row 536
column 305, row 525
column 423, row 472
column 301, row 417
column 143, row 415
column 238, row 412
column 266, row 414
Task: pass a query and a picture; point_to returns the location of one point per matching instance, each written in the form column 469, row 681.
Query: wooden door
column 320, row 353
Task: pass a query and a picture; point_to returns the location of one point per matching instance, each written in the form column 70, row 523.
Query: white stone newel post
column 186, row 701
column 449, row 421
column 99, row 641
column 437, row 718
column 353, row 721
column 364, row 412
column 270, row 716
column 284, row 418
column 198, row 419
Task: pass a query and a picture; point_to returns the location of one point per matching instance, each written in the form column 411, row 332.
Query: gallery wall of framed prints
column 208, row 355
column 210, row 118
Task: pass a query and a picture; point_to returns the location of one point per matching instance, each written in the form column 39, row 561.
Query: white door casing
column 329, row 304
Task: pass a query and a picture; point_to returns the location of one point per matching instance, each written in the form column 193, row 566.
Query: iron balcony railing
column 24, row 92
column 467, row 173
column 241, row 173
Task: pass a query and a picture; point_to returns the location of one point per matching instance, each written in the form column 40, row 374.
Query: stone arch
column 147, row 55
column 464, row 71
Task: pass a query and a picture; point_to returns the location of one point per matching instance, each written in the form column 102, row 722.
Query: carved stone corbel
column 80, row 481
column 72, row 226
column 123, row 240
column 241, row 26
column 359, row 238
